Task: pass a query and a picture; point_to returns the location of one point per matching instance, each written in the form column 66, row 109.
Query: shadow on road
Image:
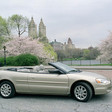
column 98, row 98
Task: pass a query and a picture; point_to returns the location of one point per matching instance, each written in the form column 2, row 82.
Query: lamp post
column 4, row 47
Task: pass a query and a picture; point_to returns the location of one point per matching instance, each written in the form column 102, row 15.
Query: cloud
column 86, row 21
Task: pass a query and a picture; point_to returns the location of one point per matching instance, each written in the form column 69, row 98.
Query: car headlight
column 102, row 81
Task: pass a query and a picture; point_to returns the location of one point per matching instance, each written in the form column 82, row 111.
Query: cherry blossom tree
column 21, row 45
column 106, row 49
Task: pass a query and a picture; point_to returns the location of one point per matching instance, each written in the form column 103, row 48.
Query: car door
column 21, row 81
column 48, row 83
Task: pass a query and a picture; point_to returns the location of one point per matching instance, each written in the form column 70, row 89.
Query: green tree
column 91, row 53
column 86, row 53
column 94, row 52
column 61, row 54
column 19, row 23
column 4, row 27
column 76, row 53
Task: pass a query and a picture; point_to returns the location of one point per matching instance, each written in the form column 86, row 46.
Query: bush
column 26, row 60
column 1, row 62
column 20, row 60
column 10, row 61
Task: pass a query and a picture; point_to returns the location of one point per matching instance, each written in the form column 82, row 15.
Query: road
column 37, row 103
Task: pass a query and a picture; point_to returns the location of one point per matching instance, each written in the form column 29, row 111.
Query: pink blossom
column 106, row 48
column 20, row 45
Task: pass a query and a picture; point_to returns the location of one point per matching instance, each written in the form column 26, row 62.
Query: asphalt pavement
column 37, row 103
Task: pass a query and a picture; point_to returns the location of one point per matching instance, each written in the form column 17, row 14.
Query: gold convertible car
column 59, row 79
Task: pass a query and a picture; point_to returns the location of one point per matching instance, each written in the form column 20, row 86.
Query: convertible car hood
column 90, row 74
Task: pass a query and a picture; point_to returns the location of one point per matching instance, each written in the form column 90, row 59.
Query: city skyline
column 87, row 22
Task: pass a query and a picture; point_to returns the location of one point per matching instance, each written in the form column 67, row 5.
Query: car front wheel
column 7, row 89
column 82, row 92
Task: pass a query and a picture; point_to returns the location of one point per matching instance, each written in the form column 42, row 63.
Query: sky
column 86, row 22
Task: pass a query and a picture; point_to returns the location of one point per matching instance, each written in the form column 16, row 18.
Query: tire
column 7, row 89
column 82, row 92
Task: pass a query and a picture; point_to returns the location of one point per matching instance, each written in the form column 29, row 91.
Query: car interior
column 36, row 69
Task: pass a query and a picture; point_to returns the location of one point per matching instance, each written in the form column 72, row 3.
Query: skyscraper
column 32, row 29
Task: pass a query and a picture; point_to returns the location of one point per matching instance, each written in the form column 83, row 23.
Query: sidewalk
column 77, row 67
column 93, row 67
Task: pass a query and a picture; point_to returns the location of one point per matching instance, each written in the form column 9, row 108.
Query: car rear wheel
column 7, row 89
column 82, row 92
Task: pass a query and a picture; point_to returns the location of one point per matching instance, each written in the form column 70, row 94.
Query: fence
column 85, row 62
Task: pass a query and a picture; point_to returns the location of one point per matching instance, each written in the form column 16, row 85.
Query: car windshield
column 64, row 67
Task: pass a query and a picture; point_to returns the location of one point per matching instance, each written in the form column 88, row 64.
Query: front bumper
column 103, row 89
